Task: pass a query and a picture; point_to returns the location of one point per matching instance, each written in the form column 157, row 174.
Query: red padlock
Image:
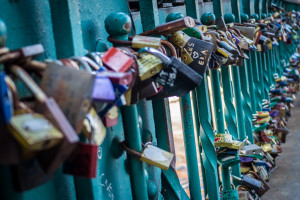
column 83, row 161
column 116, row 60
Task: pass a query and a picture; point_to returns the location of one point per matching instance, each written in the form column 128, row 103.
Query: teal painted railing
column 68, row 28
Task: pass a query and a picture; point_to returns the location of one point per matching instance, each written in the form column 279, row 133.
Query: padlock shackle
column 236, row 178
column 29, row 82
column 130, row 151
column 165, row 59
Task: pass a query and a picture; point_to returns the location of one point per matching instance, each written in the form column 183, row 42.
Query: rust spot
column 127, row 26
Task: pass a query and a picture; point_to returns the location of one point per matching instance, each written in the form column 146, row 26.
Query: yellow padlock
column 149, row 65
column 34, row 131
column 139, row 42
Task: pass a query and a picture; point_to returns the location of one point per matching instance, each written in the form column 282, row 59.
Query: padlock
column 229, row 194
column 71, row 89
column 251, row 149
column 263, row 120
column 260, row 127
column 223, row 140
column 220, row 23
column 267, row 147
column 281, row 133
column 10, row 150
column 236, row 144
column 248, row 32
column 246, row 194
column 102, row 109
column 194, row 52
column 34, row 131
column 262, row 163
column 265, row 187
column 263, row 114
column 50, row 159
column 265, row 42
column 171, row 27
column 28, row 174
column 111, row 118
column 149, row 65
column 139, row 42
column 224, row 52
column 150, row 90
column 22, row 54
column 103, row 91
column 249, row 182
column 270, row 158
column 228, row 160
column 173, row 74
column 245, row 160
column 83, row 160
column 6, row 104
column 120, row 78
column 93, row 122
column 116, row 60
column 225, row 44
column 218, row 59
column 152, row 155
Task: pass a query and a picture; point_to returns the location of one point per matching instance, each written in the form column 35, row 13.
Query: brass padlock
column 223, row 140
column 34, row 131
column 149, row 65
column 93, row 123
column 152, row 155
column 139, row 42
column 50, row 159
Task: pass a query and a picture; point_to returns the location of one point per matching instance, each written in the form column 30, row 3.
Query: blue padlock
column 6, row 106
column 119, row 101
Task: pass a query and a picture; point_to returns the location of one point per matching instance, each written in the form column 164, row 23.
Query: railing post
column 207, row 139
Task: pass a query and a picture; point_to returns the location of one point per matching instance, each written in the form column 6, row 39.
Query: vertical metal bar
column 207, row 138
column 133, row 141
column 265, row 76
column 163, row 126
column 230, row 112
column 192, row 10
column 230, row 115
column 149, row 127
column 255, row 73
column 251, row 84
column 164, row 134
column 190, row 147
column 219, row 116
column 238, row 102
column 246, row 100
column 197, row 127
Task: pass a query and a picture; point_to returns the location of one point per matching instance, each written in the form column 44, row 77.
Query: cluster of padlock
column 269, row 124
column 62, row 119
